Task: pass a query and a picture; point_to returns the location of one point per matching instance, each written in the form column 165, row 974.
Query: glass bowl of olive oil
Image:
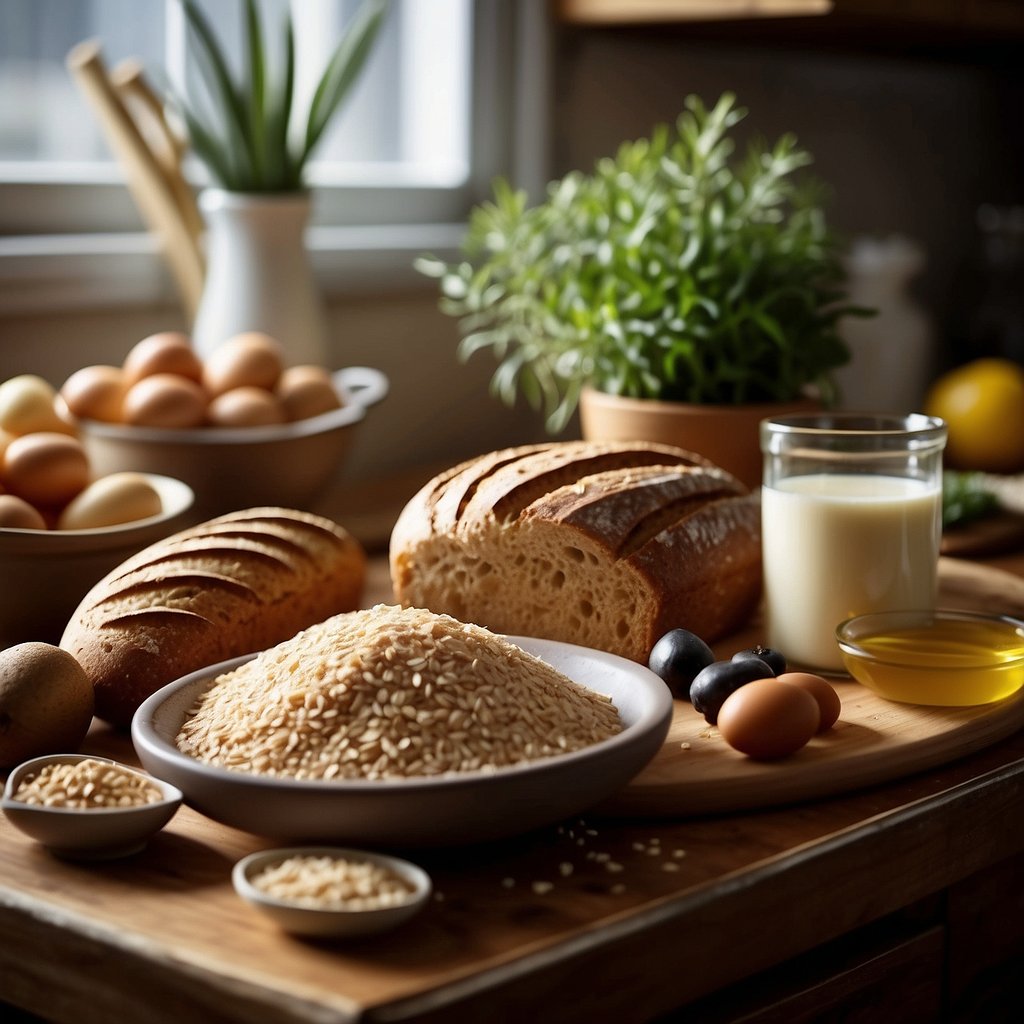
column 941, row 658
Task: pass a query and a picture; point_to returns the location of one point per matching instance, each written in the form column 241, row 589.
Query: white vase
column 258, row 275
column 891, row 353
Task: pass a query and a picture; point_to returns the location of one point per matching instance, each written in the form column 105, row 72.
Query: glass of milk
column 851, row 509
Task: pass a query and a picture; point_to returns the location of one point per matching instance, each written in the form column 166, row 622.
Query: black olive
column 677, row 657
column 716, row 682
column 775, row 660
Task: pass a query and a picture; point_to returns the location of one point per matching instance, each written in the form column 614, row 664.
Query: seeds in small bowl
column 86, row 784
column 86, row 807
column 333, row 883
column 330, row 891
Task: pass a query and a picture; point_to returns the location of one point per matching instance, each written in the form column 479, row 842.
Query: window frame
column 82, row 244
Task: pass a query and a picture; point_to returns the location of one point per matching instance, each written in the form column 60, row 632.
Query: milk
column 837, row 545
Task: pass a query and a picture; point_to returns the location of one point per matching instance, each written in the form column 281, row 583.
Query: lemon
column 982, row 403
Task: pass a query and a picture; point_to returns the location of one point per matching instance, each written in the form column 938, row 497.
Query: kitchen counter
column 904, row 898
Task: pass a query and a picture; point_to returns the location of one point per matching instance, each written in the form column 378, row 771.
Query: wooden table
column 905, row 898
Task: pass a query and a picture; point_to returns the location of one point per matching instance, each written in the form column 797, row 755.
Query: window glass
column 406, row 121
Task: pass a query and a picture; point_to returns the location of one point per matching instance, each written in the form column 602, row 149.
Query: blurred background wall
column 913, row 125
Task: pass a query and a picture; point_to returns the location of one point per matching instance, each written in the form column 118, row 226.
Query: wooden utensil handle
column 145, row 107
column 148, row 183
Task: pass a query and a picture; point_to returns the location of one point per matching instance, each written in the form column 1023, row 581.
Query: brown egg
column 245, row 407
column 95, row 393
column 18, row 514
column 767, row 719
column 306, row 391
column 111, row 500
column 26, row 406
column 166, row 352
column 829, row 704
column 165, row 400
column 251, row 359
column 45, row 468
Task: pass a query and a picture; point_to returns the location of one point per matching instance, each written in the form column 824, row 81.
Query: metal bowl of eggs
column 240, row 427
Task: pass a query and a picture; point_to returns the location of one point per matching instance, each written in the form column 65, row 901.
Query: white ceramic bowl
column 233, row 468
column 44, row 574
column 327, row 921
column 93, row 833
column 435, row 811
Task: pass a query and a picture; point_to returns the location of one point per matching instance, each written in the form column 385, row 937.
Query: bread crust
column 230, row 586
column 609, row 545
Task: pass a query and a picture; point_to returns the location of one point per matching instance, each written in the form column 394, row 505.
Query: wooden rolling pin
column 158, row 199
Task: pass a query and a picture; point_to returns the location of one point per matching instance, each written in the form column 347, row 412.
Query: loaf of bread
column 608, row 545
column 236, row 584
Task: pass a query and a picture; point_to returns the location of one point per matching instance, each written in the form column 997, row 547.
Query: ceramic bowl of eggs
column 240, row 426
column 63, row 526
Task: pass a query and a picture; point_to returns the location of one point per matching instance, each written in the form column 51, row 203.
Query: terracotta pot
column 725, row 434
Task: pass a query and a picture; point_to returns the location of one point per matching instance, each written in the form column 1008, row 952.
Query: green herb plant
column 244, row 133
column 966, row 498
column 676, row 270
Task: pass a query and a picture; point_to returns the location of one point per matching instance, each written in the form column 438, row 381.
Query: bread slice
column 236, row 584
column 607, row 545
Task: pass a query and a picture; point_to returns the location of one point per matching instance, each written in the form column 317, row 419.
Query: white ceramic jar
column 259, row 276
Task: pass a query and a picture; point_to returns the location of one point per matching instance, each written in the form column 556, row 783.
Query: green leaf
column 214, row 69
column 257, row 76
column 291, row 171
column 208, row 149
column 343, row 70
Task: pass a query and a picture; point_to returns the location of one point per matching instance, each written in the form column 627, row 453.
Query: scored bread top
column 627, row 508
column 502, row 484
column 223, row 588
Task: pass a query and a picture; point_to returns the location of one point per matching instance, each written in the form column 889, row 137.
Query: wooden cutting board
column 875, row 740
column 989, row 536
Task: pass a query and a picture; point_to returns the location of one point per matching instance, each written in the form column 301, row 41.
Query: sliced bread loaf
column 601, row 544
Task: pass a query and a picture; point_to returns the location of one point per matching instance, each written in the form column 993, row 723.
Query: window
column 431, row 122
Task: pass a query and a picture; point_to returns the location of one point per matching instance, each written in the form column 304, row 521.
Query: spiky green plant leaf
column 342, row 70
column 244, row 141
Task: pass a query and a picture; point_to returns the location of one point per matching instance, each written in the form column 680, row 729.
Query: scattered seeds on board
column 580, row 834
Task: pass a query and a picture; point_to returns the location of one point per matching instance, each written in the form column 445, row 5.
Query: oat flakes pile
column 392, row 693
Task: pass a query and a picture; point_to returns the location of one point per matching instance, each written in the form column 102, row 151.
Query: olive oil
column 944, row 661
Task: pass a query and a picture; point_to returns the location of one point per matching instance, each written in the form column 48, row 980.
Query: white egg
column 110, row 501
column 26, row 406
